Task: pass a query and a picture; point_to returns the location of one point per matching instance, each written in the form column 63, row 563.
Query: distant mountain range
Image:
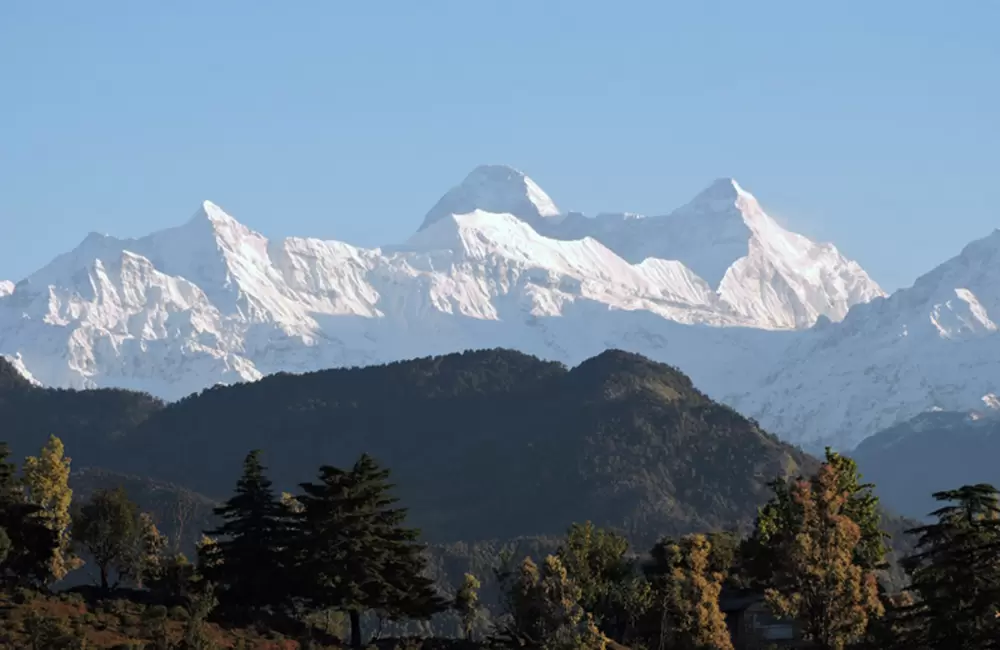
column 786, row 330
column 932, row 452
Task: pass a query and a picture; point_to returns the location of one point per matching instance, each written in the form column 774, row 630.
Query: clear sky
column 875, row 125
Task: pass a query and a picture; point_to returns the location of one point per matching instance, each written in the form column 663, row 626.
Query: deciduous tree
column 818, row 578
column 466, row 604
column 31, row 543
column 108, row 528
column 686, row 593
column 611, row 589
column 46, row 480
column 543, row 609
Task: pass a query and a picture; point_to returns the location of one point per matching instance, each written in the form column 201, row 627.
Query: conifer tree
column 354, row 553
column 46, row 480
column 817, row 577
column 955, row 572
column 247, row 554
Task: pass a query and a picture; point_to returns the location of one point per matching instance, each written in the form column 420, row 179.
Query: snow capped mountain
column 772, row 276
column 717, row 288
column 6, row 288
column 498, row 189
column 934, row 345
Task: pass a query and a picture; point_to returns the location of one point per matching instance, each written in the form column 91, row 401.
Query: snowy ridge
column 932, row 345
column 717, row 288
column 18, row 365
column 774, row 277
column 498, row 189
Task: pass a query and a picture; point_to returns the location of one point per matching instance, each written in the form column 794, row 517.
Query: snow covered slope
column 6, row 288
column 498, row 189
column 934, row 345
column 716, row 288
column 775, row 277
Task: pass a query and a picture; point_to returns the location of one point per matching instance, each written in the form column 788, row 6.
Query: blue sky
column 870, row 124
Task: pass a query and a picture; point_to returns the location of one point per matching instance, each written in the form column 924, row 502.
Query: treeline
column 324, row 563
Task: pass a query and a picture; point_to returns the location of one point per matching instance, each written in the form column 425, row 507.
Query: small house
column 752, row 626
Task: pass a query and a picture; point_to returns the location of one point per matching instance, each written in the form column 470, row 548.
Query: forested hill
column 486, row 444
column 86, row 421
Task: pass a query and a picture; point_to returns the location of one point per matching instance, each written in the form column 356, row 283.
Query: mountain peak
column 721, row 194
column 213, row 214
column 496, row 189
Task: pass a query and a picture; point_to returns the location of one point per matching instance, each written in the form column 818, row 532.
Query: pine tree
column 247, row 554
column 46, row 479
column 817, row 578
column 955, row 571
column 354, row 553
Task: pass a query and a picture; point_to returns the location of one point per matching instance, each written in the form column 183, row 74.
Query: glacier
column 783, row 328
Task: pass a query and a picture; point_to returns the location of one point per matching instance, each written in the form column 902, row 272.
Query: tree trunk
column 355, row 628
column 104, row 578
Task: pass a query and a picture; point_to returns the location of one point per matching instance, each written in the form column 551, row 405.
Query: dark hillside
column 87, row 421
column 489, row 444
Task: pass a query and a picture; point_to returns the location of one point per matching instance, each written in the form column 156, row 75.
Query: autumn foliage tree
column 466, row 604
column 46, row 482
column 686, row 592
column 597, row 560
column 543, row 611
column 817, row 577
column 29, row 542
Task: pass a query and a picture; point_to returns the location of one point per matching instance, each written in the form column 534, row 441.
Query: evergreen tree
column 354, row 553
column 817, row 577
column 46, row 479
column 247, row 555
column 108, row 528
column 955, row 572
